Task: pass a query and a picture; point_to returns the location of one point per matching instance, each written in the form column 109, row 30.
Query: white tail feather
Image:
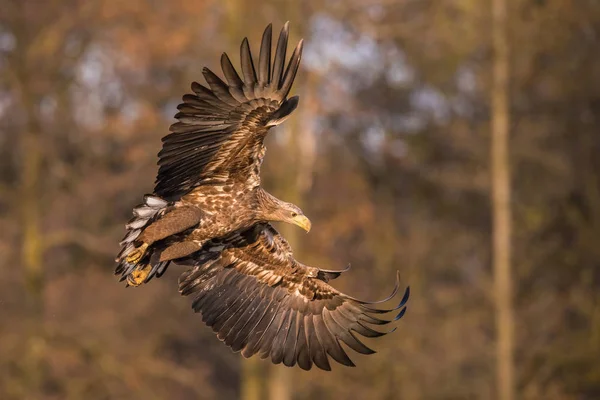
column 144, row 214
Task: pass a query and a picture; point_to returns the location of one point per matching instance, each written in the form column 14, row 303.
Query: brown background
column 388, row 154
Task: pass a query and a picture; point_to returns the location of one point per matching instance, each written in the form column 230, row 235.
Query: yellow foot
column 136, row 255
column 138, row 275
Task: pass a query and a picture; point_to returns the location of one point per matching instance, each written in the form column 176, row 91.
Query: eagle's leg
column 173, row 222
column 139, row 275
column 179, row 250
column 136, row 254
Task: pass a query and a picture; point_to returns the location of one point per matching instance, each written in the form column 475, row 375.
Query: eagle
column 209, row 213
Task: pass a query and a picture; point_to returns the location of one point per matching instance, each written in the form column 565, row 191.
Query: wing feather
column 279, row 62
column 247, row 65
column 229, row 323
column 317, row 352
column 237, row 335
column 302, row 353
column 254, row 338
column 291, row 70
column 259, row 300
column 219, row 88
column 233, row 79
column 264, row 59
column 266, row 341
column 277, row 349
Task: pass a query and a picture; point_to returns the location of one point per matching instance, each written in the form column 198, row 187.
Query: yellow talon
column 138, row 276
column 136, row 255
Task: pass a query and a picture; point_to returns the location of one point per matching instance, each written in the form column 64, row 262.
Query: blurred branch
column 158, row 368
column 501, row 203
column 7, row 193
column 84, row 239
column 355, row 14
column 5, row 249
column 52, row 36
column 134, row 372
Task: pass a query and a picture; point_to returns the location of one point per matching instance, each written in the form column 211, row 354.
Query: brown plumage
column 173, row 230
column 209, row 212
column 259, row 300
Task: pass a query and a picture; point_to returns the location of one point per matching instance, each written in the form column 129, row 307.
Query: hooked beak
column 303, row 222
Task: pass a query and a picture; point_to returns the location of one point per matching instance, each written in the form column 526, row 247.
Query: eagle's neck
column 266, row 206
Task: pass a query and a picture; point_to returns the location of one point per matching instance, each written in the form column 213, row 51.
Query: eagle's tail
column 144, row 214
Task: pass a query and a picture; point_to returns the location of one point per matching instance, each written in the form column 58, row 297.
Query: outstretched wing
column 221, row 128
column 259, row 300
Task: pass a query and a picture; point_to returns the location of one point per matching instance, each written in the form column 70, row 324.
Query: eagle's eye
column 294, row 215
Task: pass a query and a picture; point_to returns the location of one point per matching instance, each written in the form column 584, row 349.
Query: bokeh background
column 388, row 154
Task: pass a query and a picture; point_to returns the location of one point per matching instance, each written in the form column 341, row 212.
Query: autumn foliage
column 388, row 154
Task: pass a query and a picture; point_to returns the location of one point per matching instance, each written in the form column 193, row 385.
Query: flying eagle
column 208, row 212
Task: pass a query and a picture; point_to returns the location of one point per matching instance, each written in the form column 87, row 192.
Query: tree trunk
column 293, row 186
column 501, row 203
column 251, row 382
column 279, row 384
column 32, row 237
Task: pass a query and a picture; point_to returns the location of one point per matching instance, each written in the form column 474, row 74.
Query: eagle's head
column 270, row 208
column 292, row 214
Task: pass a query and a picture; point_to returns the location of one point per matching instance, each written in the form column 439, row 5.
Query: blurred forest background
column 389, row 154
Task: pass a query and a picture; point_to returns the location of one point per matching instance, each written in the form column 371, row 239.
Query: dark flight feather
column 259, row 300
column 264, row 60
column 279, row 62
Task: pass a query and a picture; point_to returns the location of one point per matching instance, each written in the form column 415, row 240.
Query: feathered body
column 177, row 229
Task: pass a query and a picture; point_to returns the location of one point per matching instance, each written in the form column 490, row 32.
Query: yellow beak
column 302, row 222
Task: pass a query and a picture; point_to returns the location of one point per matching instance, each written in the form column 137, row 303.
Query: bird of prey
column 209, row 213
